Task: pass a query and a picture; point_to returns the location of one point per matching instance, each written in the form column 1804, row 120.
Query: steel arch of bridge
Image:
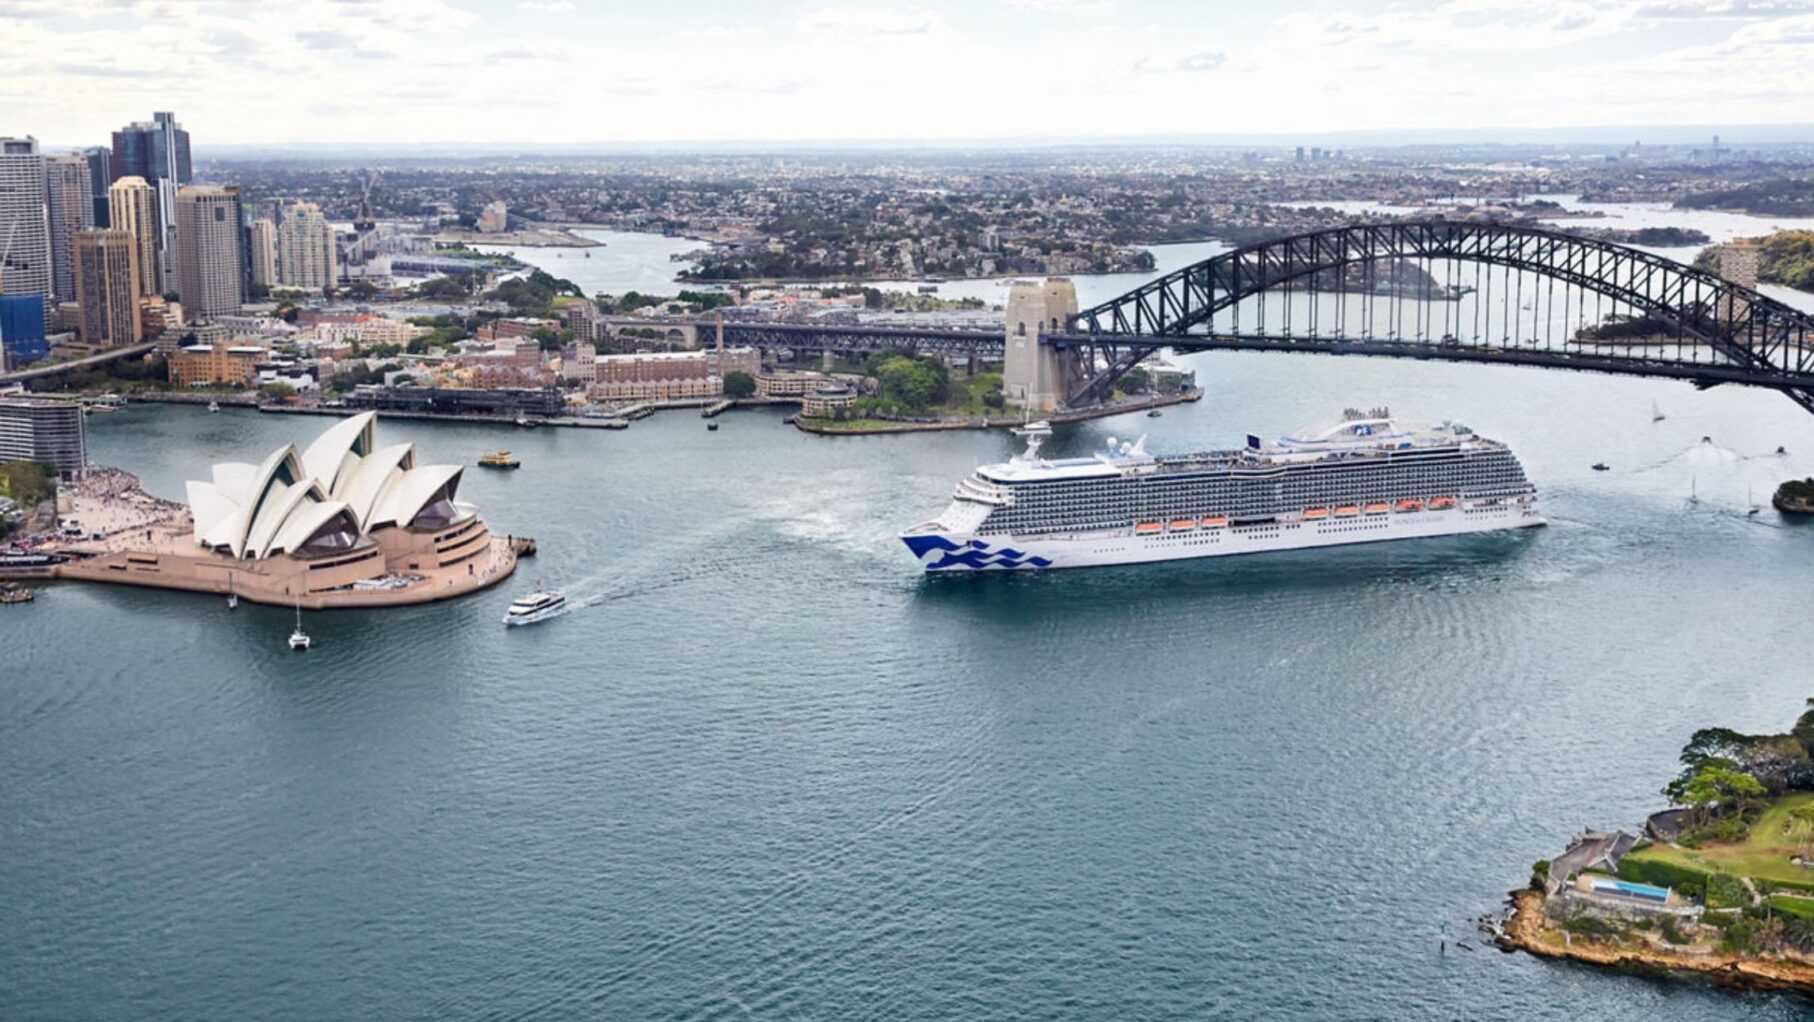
column 1747, row 338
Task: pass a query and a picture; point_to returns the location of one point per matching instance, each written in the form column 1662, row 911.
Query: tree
column 1714, row 786
column 361, row 291
column 455, row 287
column 279, row 391
column 738, row 383
column 550, row 340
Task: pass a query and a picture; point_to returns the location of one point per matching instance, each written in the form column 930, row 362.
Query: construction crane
column 365, row 222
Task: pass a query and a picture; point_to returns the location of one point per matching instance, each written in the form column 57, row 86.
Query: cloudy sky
column 554, row 71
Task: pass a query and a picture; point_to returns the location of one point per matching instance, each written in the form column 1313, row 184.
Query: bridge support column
column 1037, row 376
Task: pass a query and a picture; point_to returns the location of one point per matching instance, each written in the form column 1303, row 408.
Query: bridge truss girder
column 1761, row 341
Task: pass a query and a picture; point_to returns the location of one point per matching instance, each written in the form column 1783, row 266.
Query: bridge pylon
column 1035, row 375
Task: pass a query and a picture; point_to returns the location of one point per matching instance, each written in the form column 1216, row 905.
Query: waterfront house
column 1590, row 850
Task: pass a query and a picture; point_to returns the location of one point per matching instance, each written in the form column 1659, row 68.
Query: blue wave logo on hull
column 975, row 554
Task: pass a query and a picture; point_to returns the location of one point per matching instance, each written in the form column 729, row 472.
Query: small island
column 1795, row 497
column 1720, row 885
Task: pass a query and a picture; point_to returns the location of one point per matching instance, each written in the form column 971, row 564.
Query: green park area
column 1783, row 830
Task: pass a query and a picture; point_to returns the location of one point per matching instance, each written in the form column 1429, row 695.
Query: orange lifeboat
column 1410, row 504
column 1181, row 524
column 1148, row 529
column 1347, row 511
column 1377, row 509
column 1441, row 503
column 1316, row 512
column 1215, row 521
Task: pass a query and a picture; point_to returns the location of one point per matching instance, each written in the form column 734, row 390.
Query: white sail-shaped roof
column 369, row 481
column 406, row 498
column 280, row 504
column 339, row 448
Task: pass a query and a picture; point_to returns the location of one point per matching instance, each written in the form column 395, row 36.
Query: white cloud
column 872, row 21
column 397, row 70
column 547, row 6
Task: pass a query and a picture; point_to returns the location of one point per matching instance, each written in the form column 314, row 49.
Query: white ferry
column 1367, row 479
column 537, row 606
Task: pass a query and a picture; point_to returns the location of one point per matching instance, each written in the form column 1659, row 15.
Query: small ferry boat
column 12, row 592
column 498, row 459
column 537, row 606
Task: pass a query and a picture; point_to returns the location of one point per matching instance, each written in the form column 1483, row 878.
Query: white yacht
column 537, row 606
column 299, row 639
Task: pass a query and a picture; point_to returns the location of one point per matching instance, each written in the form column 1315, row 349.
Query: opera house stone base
column 343, row 524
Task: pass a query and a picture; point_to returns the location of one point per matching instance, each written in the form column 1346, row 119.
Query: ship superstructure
column 1365, row 479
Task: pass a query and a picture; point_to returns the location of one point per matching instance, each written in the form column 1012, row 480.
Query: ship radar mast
column 1034, row 433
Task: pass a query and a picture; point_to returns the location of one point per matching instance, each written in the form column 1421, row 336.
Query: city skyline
column 566, row 73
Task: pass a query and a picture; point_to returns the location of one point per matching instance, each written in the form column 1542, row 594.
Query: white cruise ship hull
column 942, row 552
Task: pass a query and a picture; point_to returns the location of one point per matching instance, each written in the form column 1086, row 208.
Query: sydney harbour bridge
column 1443, row 290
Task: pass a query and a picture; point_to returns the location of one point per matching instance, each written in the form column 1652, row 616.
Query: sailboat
column 299, row 639
column 1656, row 414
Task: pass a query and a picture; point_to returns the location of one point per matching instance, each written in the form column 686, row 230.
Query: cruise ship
column 1366, row 479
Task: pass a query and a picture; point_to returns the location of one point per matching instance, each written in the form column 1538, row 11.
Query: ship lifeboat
column 1441, row 503
column 1148, row 529
column 1181, row 524
column 1316, row 512
column 1410, row 504
column 1215, row 521
column 1347, row 511
column 1377, row 509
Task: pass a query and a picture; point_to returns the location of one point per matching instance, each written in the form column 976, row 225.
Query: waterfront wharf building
column 107, row 275
column 653, row 376
column 215, row 364
column 209, row 250
column 24, row 222
column 132, row 207
column 35, row 429
column 343, row 522
column 507, row 402
column 71, row 211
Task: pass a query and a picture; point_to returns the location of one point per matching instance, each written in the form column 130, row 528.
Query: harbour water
column 765, row 769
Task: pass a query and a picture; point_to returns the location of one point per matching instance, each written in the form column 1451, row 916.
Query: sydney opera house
column 343, row 522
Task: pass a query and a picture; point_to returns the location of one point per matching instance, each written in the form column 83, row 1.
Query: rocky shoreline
column 1527, row 928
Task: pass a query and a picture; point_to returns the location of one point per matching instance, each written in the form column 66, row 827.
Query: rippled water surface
column 765, row 770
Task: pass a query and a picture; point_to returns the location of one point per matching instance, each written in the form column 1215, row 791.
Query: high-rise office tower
column 107, row 275
column 158, row 151
column 210, row 278
column 132, row 207
column 100, row 176
column 24, row 222
column 261, row 251
column 71, row 209
column 305, row 249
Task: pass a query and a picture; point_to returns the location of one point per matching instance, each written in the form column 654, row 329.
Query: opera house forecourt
column 343, row 523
